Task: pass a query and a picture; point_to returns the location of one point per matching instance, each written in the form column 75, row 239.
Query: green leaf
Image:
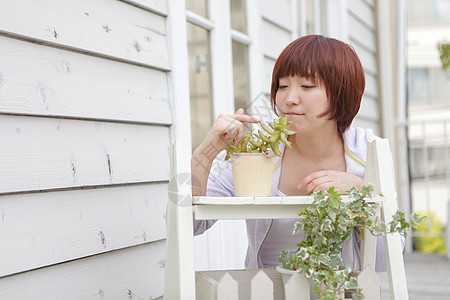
column 357, row 295
column 351, row 284
column 323, row 259
column 284, row 259
column 328, row 295
column 319, row 195
column 326, row 226
column 381, row 229
column 333, row 213
column 416, row 220
column 335, row 261
column 320, row 240
column 298, row 226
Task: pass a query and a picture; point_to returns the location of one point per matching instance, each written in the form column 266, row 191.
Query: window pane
column 238, row 15
column 440, row 11
column 200, row 7
column 241, row 77
column 418, row 86
column 428, row 11
column 440, row 85
column 428, row 86
column 418, row 11
column 199, row 82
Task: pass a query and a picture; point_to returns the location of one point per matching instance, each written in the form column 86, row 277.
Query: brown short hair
column 332, row 63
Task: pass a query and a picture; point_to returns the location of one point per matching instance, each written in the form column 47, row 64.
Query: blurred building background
column 428, row 108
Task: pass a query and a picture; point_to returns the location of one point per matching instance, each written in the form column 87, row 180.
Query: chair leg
column 379, row 172
column 180, row 273
column 369, row 248
column 394, row 259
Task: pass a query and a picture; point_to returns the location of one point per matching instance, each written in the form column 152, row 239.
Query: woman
column 318, row 84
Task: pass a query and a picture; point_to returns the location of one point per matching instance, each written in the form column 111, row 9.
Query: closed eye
column 282, row 86
column 308, row 86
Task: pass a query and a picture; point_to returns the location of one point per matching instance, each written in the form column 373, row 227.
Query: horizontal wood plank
column 363, row 11
column 368, row 59
column 369, row 109
column 157, row 6
column 236, row 208
column 361, row 34
column 278, row 12
column 371, row 86
column 371, row 3
column 39, row 80
column 275, row 39
column 132, row 273
column 43, row 229
column 269, row 63
column 107, row 28
column 45, row 153
column 229, row 212
column 266, row 77
column 261, row 200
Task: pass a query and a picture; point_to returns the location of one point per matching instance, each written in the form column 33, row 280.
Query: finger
column 230, row 132
column 240, row 111
column 322, row 183
column 239, row 136
column 233, row 127
column 313, row 176
column 319, row 186
column 241, row 117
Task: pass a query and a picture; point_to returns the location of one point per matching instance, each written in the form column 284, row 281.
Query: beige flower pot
column 252, row 173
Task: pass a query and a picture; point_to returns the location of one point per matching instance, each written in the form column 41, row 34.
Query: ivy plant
column 262, row 142
column 327, row 223
column 444, row 54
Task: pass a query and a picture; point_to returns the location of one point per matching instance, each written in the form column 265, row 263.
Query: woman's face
column 302, row 101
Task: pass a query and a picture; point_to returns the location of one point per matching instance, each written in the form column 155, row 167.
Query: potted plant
column 327, row 223
column 253, row 158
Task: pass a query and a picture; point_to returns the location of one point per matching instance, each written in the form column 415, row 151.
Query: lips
column 292, row 114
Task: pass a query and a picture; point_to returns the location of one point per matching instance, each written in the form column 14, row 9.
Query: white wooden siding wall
column 277, row 28
column 84, row 151
column 362, row 36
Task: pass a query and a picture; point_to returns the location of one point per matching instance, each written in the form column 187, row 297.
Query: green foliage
column 261, row 143
column 430, row 244
column 327, row 223
column 444, row 54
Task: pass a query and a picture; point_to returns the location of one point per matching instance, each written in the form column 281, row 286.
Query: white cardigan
column 220, row 184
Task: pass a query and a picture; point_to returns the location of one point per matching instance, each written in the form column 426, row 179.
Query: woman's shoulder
column 358, row 135
column 356, row 139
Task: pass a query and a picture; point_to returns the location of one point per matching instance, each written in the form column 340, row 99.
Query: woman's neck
column 318, row 145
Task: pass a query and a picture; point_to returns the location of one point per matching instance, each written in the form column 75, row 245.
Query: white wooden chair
column 183, row 208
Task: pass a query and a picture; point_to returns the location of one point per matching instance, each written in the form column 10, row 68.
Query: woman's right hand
column 219, row 137
column 225, row 129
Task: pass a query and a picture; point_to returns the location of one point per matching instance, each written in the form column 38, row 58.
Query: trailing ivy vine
column 327, row 223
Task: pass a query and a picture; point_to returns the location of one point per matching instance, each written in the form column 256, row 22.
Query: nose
column 293, row 97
